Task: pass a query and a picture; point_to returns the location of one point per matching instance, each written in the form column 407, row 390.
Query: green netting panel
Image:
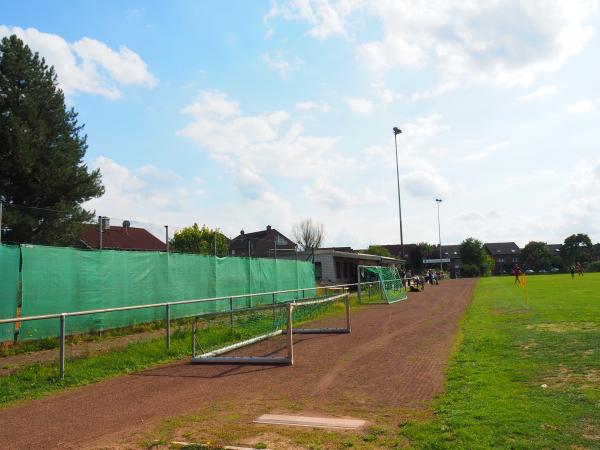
column 59, row 280
column 191, row 277
column 63, row 279
column 306, row 277
column 9, row 287
column 287, row 278
column 390, row 281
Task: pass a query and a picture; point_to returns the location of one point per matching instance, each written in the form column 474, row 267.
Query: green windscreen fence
column 9, row 288
column 59, row 280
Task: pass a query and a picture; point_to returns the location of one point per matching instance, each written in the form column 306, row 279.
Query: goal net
column 264, row 334
column 378, row 284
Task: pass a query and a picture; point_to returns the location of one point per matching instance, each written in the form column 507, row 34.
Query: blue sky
column 241, row 114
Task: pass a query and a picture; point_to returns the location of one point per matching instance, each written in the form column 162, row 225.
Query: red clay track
column 394, row 357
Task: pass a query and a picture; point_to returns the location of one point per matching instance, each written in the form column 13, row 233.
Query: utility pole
column 438, row 201
column 167, row 236
column 397, row 131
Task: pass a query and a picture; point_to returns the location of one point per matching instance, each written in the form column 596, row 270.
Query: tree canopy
column 308, row 234
column 200, row 240
column 43, row 179
column 378, row 250
column 475, row 259
column 536, row 255
column 577, row 247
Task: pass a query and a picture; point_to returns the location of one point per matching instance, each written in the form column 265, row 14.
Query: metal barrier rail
column 167, row 305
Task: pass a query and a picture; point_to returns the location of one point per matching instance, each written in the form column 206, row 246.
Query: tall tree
column 43, row 179
column 577, row 247
column 308, row 234
column 536, row 255
column 476, row 261
column 200, row 240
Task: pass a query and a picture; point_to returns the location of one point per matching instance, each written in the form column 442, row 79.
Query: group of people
column 432, row 277
column 578, row 267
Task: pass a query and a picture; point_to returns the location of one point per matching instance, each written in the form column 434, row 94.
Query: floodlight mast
column 438, row 201
column 397, row 131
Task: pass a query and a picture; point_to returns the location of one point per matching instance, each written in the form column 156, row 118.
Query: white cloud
column 87, row 65
column 507, row 42
column 486, row 152
column 337, row 198
column 544, row 172
column 309, row 105
column 257, row 147
column 582, row 107
column 280, row 65
column 420, row 183
column 360, row 105
column 543, row 91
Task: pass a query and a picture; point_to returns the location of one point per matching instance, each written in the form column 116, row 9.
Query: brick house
column 265, row 243
column 124, row 237
column 505, row 254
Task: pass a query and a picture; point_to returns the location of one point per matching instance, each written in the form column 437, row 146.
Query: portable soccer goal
column 378, row 284
column 272, row 325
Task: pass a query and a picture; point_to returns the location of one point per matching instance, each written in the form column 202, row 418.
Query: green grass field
column 526, row 373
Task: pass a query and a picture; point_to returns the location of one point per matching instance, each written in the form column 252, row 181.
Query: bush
column 469, row 270
column 594, row 266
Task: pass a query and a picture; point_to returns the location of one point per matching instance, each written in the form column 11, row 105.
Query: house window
column 501, row 260
column 338, row 269
column 281, row 240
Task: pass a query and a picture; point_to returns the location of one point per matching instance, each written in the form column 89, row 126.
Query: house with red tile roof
column 124, row 237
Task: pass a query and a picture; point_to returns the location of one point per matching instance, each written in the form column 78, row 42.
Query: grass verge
column 527, row 370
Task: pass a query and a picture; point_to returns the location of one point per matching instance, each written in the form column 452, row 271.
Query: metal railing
column 62, row 317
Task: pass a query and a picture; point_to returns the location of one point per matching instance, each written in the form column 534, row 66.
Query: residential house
column 123, row 237
column 268, row 243
column 505, row 254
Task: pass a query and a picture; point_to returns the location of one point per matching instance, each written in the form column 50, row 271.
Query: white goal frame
column 218, row 356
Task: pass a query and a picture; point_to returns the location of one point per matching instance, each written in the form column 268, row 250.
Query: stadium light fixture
column 397, row 131
column 438, row 201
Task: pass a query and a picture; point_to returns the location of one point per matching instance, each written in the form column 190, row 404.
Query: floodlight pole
column 438, row 201
column 397, row 131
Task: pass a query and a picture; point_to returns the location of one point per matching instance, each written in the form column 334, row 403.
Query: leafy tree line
column 578, row 247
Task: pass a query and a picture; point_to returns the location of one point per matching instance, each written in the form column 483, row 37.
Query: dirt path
column 10, row 364
column 394, row 358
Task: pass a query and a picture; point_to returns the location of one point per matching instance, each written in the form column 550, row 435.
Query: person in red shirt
column 517, row 272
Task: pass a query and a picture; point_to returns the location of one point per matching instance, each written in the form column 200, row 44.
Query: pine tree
column 41, row 153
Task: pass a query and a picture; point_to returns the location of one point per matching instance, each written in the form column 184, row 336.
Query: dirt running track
column 394, row 357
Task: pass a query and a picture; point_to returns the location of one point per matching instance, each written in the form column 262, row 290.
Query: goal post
column 287, row 319
column 380, row 285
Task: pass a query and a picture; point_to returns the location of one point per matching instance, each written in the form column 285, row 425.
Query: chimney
column 242, row 232
column 105, row 223
column 268, row 227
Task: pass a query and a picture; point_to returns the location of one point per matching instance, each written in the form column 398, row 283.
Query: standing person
column 572, row 270
column 579, row 268
column 517, row 272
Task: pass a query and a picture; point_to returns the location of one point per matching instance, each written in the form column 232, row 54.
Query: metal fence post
column 290, row 333
column 231, row 311
column 273, row 302
column 348, row 325
column 62, row 346
column 168, row 319
column 194, row 325
column 359, row 289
